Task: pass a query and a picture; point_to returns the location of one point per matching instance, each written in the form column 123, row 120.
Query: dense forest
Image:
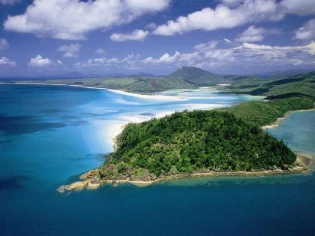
column 263, row 113
column 300, row 85
column 194, row 141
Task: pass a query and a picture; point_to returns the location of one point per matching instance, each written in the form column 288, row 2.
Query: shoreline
column 91, row 181
column 286, row 115
column 137, row 95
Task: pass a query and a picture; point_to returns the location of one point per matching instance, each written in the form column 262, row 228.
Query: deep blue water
column 49, row 135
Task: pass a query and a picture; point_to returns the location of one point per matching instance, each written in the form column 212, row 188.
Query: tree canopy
column 194, row 141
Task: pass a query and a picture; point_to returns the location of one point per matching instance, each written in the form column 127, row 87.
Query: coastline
column 286, row 115
column 90, row 180
column 148, row 96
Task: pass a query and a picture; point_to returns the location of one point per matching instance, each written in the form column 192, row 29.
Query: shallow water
column 49, row 135
column 298, row 131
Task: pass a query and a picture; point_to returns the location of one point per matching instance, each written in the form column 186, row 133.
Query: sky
column 102, row 37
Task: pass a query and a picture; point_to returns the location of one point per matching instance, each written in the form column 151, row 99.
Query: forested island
column 202, row 141
column 221, row 142
column 194, row 141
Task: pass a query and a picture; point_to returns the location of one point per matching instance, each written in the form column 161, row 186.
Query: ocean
column 49, row 135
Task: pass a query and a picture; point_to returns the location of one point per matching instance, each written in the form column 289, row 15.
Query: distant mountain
column 197, row 76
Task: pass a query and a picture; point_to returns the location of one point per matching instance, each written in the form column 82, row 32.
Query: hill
column 197, row 76
column 189, row 142
column 301, row 85
column 263, row 113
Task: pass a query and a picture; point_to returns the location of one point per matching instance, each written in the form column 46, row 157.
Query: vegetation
column 301, row 85
column 183, row 78
column 198, row 76
column 135, row 85
column 191, row 142
column 263, row 113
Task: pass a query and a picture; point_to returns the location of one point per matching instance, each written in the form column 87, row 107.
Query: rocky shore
column 91, row 179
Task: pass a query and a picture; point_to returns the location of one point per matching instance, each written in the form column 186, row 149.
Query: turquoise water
column 49, row 135
column 298, row 131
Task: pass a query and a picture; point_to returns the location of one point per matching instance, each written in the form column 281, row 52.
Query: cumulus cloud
column 221, row 17
column 144, row 6
column 307, row 31
column 70, row 51
column 234, row 13
column 73, row 19
column 136, row 35
column 254, row 34
column 40, row 62
column 9, row 2
column 164, row 59
column 130, row 61
column 206, row 46
column 4, row 61
column 100, row 51
column 4, row 44
column 255, row 57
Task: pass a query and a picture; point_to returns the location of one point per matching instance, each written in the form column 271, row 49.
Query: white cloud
column 234, row 13
column 100, row 51
column 40, row 62
column 221, row 17
column 253, row 34
column 136, row 35
column 4, row 61
column 227, row 40
column 128, row 61
column 4, row 44
column 206, row 46
column 9, row 2
column 240, row 56
column 165, row 59
column 70, row 51
column 307, row 31
column 73, row 19
column 144, row 6
column 298, row 7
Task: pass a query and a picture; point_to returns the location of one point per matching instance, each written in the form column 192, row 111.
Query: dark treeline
column 263, row 113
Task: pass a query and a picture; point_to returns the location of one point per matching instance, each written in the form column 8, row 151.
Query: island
column 221, row 142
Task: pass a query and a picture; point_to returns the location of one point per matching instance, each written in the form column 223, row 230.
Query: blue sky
column 48, row 37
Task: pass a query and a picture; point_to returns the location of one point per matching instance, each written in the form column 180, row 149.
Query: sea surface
column 49, row 135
